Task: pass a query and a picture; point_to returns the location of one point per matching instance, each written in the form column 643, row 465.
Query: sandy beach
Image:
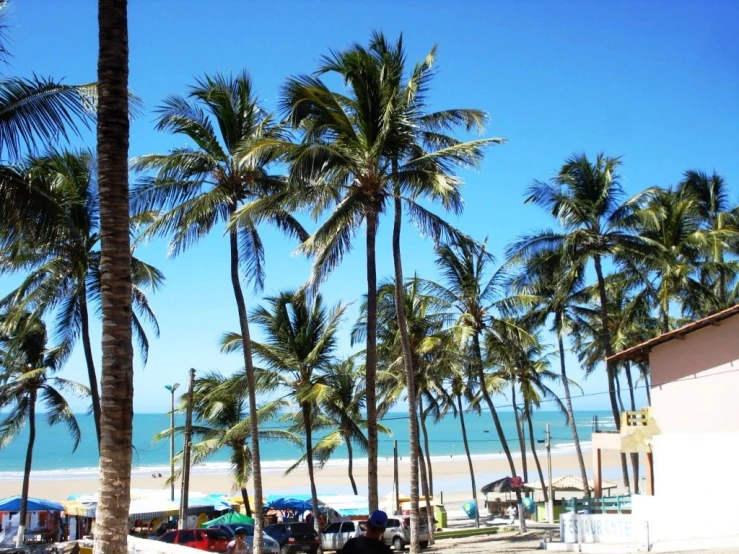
column 450, row 477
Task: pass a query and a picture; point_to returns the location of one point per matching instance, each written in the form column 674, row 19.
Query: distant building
column 689, row 436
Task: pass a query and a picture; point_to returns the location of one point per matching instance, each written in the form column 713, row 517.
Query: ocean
column 53, row 457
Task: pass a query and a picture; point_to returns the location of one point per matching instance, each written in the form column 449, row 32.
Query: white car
column 335, row 536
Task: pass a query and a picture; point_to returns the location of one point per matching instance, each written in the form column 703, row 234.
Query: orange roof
column 642, row 350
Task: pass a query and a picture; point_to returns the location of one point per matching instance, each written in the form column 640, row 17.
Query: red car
column 211, row 540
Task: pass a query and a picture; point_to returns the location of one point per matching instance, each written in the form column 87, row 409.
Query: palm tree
column 359, row 160
column 222, row 422
column 26, row 369
column 340, row 415
column 63, row 266
column 471, row 294
column 197, row 188
column 300, row 338
column 548, row 284
column 720, row 221
column 669, row 221
column 34, row 112
column 429, row 347
column 584, row 198
column 460, row 388
column 116, row 421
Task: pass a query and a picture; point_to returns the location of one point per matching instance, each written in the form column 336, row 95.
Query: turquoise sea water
column 54, row 459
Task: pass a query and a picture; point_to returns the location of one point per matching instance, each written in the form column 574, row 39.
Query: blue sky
column 654, row 82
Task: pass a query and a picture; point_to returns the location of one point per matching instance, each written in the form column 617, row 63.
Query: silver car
column 398, row 533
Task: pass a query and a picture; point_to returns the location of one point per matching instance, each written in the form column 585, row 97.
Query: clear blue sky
column 655, row 82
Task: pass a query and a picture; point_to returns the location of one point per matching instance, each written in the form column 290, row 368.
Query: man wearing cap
column 372, row 542
column 238, row 545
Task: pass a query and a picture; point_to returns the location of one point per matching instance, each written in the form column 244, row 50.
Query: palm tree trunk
column 309, row 459
column 91, row 374
column 571, row 413
column 426, row 492
column 409, row 374
column 644, row 370
column 519, row 431
column 251, row 387
column 245, row 498
column 634, row 455
column 618, row 394
column 350, row 451
column 532, row 442
column 489, row 401
column 610, row 364
column 21, row 537
column 426, row 446
column 469, row 459
column 371, row 362
column 116, row 413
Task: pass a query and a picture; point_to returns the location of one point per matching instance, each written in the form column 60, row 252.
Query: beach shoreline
column 451, row 476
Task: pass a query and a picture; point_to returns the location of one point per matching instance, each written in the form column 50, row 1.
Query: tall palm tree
column 584, row 198
column 472, row 294
column 359, row 160
column 194, row 189
column 300, row 339
column 223, row 422
column 116, row 419
column 340, row 416
column 549, row 284
column 63, row 266
column 26, row 369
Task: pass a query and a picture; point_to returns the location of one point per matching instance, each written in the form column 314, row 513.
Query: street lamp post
column 171, row 389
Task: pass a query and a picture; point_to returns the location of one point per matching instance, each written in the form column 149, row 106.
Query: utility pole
column 550, row 504
column 171, row 389
column 186, row 455
column 396, row 477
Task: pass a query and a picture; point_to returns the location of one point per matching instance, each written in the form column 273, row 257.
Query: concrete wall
column 695, row 381
column 696, row 490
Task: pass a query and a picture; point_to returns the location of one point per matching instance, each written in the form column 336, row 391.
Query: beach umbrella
column 296, row 502
column 506, row 484
column 230, row 517
column 13, row 504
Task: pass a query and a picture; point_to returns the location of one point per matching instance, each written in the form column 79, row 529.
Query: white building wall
column 696, row 489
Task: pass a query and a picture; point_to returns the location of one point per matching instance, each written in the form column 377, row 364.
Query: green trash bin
column 440, row 516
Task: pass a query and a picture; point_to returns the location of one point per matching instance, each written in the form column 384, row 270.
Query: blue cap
column 378, row 519
column 240, row 530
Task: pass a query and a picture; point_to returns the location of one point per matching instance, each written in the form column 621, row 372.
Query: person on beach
column 372, row 542
column 238, row 545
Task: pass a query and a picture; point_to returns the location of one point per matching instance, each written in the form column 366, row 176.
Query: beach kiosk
column 41, row 525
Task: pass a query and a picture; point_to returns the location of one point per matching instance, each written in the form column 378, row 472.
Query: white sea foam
column 271, row 466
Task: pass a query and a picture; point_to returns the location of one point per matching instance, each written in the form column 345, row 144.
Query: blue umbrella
column 13, row 504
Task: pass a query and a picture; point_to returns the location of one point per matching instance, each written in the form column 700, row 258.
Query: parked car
column 269, row 545
column 294, row 537
column 211, row 540
column 336, row 535
column 398, row 533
